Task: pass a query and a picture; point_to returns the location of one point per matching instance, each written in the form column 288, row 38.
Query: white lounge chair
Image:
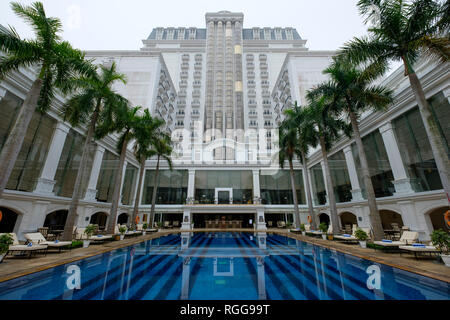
column 352, row 238
column 80, row 235
column 419, row 248
column 23, row 248
column 408, row 237
column 38, row 238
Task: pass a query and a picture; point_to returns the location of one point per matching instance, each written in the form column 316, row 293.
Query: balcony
column 253, row 114
column 195, row 104
column 197, row 65
column 197, row 84
column 185, row 65
column 264, row 75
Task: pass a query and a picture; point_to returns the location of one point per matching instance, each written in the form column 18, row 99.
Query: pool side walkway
column 13, row 267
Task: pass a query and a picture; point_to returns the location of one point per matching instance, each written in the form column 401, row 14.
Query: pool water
column 224, row 266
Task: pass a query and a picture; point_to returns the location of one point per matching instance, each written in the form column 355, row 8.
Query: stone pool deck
column 13, row 267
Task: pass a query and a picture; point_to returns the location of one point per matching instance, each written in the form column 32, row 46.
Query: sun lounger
column 38, row 238
column 80, row 235
column 408, row 237
column 24, row 248
column 419, row 249
column 351, row 238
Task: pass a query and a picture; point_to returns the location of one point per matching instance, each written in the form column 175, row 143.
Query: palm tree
column 162, row 146
column 93, row 104
column 404, row 31
column 327, row 128
column 55, row 59
column 145, row 132
column 305, row 139
column 288, row 149
column 125, row 122
column 353, row 86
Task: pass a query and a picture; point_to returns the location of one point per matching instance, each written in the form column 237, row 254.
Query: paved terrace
column 13, row 267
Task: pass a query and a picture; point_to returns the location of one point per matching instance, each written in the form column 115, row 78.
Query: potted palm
column 324, row 228
column 144, row 228
column 5, row 241
column 159, row 224
column 362, row 237
column 303, row 229
column 122, row 231
column 441, row 240
column 88, row 231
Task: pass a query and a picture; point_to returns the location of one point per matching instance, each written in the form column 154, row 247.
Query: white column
column 185, row 276
column 416, row 222
column 325, row 181
column 356, row 188
column 191, row 187
column 186, row 225
column 91, row 191
column 33, row 219
column 402, row 183
column 2, row 93
column 261, row 279
column 124, row 169
column 45, row 182
column 256, row 188
column 134, row 192
column 260, row 219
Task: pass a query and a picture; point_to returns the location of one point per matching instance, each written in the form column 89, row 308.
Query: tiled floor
column 15, row 267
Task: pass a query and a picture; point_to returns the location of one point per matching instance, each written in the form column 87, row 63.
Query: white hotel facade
column 222, row 91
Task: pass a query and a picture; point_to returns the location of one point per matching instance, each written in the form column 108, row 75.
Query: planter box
column 2, row 256
column 144, row 233
column 363, row 244
column 86, row 243
column 324, row 237
column 122, row 236
column 303, row 233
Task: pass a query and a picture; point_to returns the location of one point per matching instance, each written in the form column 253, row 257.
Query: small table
column 57, row 233
column 391, row 233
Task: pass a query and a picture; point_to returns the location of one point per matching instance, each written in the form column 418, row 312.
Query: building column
column 260, row 219
column 2, row 93
column 325, row 182
column 261, row 278
column 356, row 188
column 256, row 188
column 401, row 183
column 124, row 170
column 187, row 218
column 45, row 182
column 33, row 219
column 416, row 222
column 91, row 192
column 191, row 187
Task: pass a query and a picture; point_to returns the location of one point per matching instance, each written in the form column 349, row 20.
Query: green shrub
column 361, row 235
column 302, row 227
column 5, row 241
column 323, row 227
column 145, row 226
column 122, row 230
column 89, row 230
column 441, row 240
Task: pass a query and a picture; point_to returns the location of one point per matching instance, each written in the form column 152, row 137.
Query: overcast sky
column 123, row 24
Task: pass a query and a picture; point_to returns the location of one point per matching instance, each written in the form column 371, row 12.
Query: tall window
column 415, row 147
column 277, row 189
column 172, row 187
column 32, row 155
column 378, row 162
column 207, row 181
column 340, row 178
column 128, row 184
column 107, row 177
column 69, row 164
column 318, row 185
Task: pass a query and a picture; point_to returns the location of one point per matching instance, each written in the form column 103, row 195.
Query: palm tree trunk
column 155, row 189
column 374, row 215
column 138, row 191
column 117, row 188
column 15, row 139
column 434, row 136
column 297, row 219
column 331, row 197
column 308, row 191
column 72, row 216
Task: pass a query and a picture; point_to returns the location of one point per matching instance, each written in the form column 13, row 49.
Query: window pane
column 340, row 178
column 107, row 177
column 172, row 187
column 129, row 184
column 277, row 189
column 318, row 185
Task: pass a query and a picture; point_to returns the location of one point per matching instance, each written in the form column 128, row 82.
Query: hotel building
column 222, row 91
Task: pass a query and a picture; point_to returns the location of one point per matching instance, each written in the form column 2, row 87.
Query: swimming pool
column 224, row 266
